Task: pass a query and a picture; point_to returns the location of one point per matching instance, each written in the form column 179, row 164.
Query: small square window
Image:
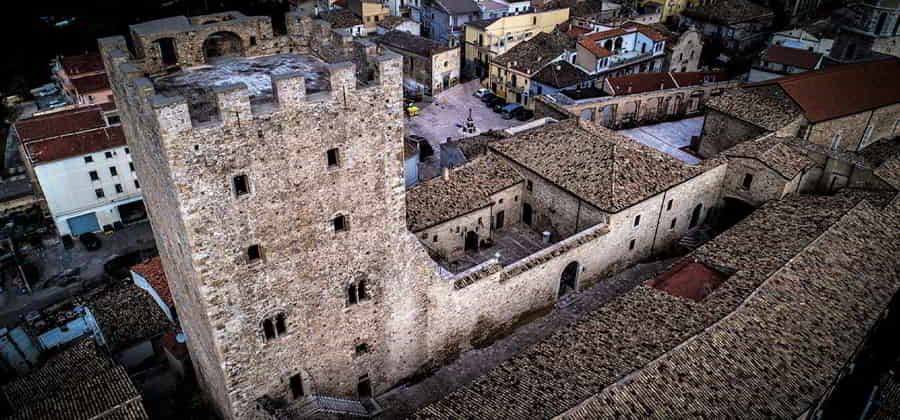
column 340, row 223
column 99, row 192
column 131, row 166
column 127, row 151
column 669, row 206
column 631, row 245
column 333, row 157
column 516, row 198
column 137, row 184
column 637, row 220
column 119, row 189
column 108, row 155
column 361, row 348
column 113, row 171
column 434, row 239
column 252, row 40
column 94, row 176
column 88, row 159
column 253, row 253
column 241, row 185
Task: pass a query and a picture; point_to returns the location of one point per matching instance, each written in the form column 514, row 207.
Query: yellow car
column 412, row 110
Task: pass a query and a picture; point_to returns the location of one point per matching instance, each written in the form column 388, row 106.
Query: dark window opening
column 131, row 166
column 253, row 253
column 748, row 180
column 269, row 329
column 340, row 224
column 352, row 298
column 241, row 185
column 88, row 159
column 364, row 388
column 127, row 151
column 119, row 188
column 108, row 155
column 167, row 51
column 333, row 157
column 361, row 348
column 280, row 324
column 252, row 40
column 113, row 120
column 669, row 206
column 93, row 175
column 113, row 171
column 529, row 185
column 637, row 220
column 695, row 216
column 361, row 289
column 99, row 192
column 672, row 225
column 137, row 184
column 631, row 245
column 296, row 384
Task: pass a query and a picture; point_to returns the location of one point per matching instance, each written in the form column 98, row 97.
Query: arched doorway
column 471, row 241
column 526, row 214
column 695, row 216
column 568, row 280
column 223, row 44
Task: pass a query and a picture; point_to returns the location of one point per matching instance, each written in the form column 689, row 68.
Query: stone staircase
column 696, row 237
column 318, row 406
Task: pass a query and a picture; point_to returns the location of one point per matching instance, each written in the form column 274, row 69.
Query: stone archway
column 568, row 280
column 222, row 44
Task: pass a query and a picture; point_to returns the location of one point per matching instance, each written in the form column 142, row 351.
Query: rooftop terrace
column 196, row 83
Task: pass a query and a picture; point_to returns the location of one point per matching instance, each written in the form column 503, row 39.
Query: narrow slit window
column 631, row 245
column 334, row 158
column 269, row 329
column 637, row 220
column 351, row 295
column 280, row 324
column 241, row 185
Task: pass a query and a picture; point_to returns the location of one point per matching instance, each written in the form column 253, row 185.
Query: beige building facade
column 485, row 40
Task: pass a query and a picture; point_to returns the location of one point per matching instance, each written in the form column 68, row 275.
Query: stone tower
column 280, row 220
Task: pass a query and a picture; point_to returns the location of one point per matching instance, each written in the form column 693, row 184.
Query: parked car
column 481, row 92
column 523, row 114
column 90, row 241
column 496, row 102
column 488, row 97
column 412, row 110
column 509, row 111
column 498, row 107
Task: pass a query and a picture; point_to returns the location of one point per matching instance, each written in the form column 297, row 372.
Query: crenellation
column 233, row 104
column 289, row 90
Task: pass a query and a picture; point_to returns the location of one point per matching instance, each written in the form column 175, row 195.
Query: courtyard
column 510, row 244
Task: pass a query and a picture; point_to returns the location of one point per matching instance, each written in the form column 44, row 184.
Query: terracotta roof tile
column 412, row 43
column 75, row 65
column 532, row 55
column 774, row 152
column 647, row 30
column 791, row 56
column 152, row 270
column 606, row 169
column 561, row 74
column 77, row 144
column 88, row 84
column 843, row 89
column 469, row 188
column 127, row 315
column 59, row 123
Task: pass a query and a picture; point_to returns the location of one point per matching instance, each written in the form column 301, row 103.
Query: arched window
column 358, row 291
column 274, row 326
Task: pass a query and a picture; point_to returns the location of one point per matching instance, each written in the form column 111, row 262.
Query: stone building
column 511, row 74
column 639, row 99
column 736, row 25
column 631, row 48
column 428, row 66
column 867, row 30
column 682, row 49
column 777, row 61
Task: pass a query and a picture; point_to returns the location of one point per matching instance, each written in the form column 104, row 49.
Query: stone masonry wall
column 766, row 185
column 850, row 130
column 720, row 132
column 294, row 196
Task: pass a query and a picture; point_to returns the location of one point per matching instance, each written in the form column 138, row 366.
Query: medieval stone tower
column 278, row 209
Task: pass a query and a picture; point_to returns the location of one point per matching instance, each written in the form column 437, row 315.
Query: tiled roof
column 59, row 123
column 340, row 19
column 87, row 84
column 152, row 270
column 576, row 31
column 594, row 48
column 784, row 346
column 75, row 65
column 843, row 89
column 391, row 22
column 415, row 44
column 888, row 402
column 640, row 82
column 481, row 23
column 457, row 7
column 696, row 78
column 127, row 315
column 729, row 11
column 79, row 383
column 77, row 144
column 889, row 171
column 768, row 108
column 604, row 168
column 532, row 55
column 872, row 157
column 561, row 74
column 647, row 30
column 774, row 152
column 791, row 56
column 623, row 336
column 469, row 188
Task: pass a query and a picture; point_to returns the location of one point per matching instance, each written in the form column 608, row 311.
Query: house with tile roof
column 488, row 38
column 80, row 383
column 627, row 49
column 429, row 67
column 444, row 20
column 510, row 75
column 80, row 165
column 711, row 335
column 778, row 61
column 83, row 79
column 736, row 24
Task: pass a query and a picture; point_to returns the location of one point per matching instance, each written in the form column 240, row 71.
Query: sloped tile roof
column 532, row 55
column 127, row 315
column 791, row 56
column 412, row 43
column 774, row 152
column 842, row 90
column 152, row 270
column 468, row 188
column 623, row 336
column 604, row 168
column 59, row 123
column 76, row 144
column 561, row 74
column 75, row 65
column 768, row 107
column 87, row 84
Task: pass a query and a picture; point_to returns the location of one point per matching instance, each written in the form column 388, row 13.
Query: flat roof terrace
column 197, row 83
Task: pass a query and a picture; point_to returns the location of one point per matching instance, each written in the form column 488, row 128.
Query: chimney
column 446, row 174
